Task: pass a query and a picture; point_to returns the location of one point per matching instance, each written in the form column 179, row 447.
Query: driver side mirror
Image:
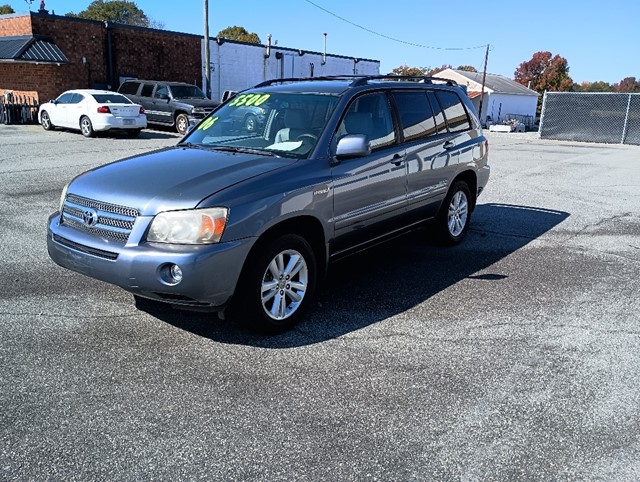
column 353, row 145
column 53, row 101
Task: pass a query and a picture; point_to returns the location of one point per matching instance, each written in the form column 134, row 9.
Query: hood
column 206, row 103
column 171, row 179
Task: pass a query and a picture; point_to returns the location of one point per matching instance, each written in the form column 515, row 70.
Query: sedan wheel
column 45, row 120
column 86, row 127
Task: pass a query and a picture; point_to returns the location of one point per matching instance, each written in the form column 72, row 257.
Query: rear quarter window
column 129, row 88
column 454, row 111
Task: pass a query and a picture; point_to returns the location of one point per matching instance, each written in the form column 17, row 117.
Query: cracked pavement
column 511, row 357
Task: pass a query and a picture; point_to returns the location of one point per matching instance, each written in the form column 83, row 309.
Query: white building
column 239, row 65
column 503, row 98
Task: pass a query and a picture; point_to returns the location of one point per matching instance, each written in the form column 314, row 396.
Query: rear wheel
column 455, row 214
column 86, row 127
column 45, row 120
column 182, row 124
column 278, row 284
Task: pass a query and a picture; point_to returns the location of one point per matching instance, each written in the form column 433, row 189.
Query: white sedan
column 91, row 111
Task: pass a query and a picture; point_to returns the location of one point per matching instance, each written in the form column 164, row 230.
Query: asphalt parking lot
column 514, row 356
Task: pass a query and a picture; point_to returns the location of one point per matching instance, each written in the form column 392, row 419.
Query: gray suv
column 250, row 219
column 175, row 104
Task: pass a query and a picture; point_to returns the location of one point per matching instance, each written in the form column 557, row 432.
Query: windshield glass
column 187, row 92
column 284, row 124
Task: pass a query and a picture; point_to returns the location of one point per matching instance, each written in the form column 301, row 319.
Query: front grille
column 100, row 219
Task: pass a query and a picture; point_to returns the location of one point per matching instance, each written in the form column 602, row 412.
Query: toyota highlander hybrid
column 247, row 218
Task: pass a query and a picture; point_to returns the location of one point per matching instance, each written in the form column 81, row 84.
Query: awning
column 30, row 48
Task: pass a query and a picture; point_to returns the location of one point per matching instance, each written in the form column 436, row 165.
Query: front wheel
column 86, row 127
column 454, row 217
column 278, row 285
column 45, row 120
column 182, row 124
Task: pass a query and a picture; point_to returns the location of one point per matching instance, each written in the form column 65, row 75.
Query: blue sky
column 599, row 39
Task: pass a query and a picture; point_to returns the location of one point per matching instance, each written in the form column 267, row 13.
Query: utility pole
column 207, row 60
column 484, row 77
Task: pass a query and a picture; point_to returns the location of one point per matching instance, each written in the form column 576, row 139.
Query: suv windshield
column 285, row 124
column 187, row 92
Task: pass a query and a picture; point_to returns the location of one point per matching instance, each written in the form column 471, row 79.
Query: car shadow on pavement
column 387, row 280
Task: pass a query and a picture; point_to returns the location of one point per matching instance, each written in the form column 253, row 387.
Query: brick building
column 77, row 53
column 42, row 55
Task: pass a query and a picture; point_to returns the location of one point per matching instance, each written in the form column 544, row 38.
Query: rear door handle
column 397, row 160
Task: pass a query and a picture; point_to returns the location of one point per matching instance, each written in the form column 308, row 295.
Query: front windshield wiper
column 191, row 144
column 246, row 150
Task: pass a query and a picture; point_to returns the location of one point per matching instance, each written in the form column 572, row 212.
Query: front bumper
column 210, row 272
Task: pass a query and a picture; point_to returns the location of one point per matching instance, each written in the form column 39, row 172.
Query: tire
column 45, row 121
column 250, row 123
column 455, row 214
column 267, row 300
column 86, row 127
column 182, row 124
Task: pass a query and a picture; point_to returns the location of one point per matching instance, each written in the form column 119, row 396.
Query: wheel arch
column 471, row 179
column 305, row 226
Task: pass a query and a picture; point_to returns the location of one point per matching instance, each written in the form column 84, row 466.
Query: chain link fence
column 591, row 117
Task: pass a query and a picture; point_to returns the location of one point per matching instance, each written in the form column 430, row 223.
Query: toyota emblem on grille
column 90, row 217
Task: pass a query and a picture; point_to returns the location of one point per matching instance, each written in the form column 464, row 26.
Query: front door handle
column 448, row 145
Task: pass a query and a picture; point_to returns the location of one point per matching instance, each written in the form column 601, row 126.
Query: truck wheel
column 455, row 214
column 182, row 124
column 278, row 285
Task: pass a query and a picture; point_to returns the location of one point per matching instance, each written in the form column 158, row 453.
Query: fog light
column 176, row 273
column 170, row 274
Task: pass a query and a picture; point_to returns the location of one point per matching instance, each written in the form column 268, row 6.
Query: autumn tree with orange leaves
column 545, row 72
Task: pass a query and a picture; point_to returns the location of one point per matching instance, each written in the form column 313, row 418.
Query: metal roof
column 30, row 48
column 498, row 83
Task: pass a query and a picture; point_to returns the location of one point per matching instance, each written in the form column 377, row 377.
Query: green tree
column 240, row 34
column 117, row 11
column 598, row 86
column 467, row 68
column 6, row 9
column 406, row 70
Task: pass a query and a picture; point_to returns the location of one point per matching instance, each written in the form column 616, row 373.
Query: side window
column 454, row 111
column 370, row 114
column 416, row 115
column 147, row 90
column 77, row 98
column 129, row 88
column 162, row 92
column 65, row 98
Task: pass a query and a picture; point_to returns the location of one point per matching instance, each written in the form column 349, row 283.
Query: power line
column 392, row 38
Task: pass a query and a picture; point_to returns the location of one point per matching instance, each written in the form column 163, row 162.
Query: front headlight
column 63, row 196
column 198, row 110
column 196, row 226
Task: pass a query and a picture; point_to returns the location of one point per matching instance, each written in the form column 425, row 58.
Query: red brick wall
column 157, row 55
column 13, row 25
column 137, row 52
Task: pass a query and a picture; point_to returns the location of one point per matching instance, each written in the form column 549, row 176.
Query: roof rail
column 360, row 80
column 364, row 80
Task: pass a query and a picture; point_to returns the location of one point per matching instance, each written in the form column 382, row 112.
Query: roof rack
column 360, row 80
